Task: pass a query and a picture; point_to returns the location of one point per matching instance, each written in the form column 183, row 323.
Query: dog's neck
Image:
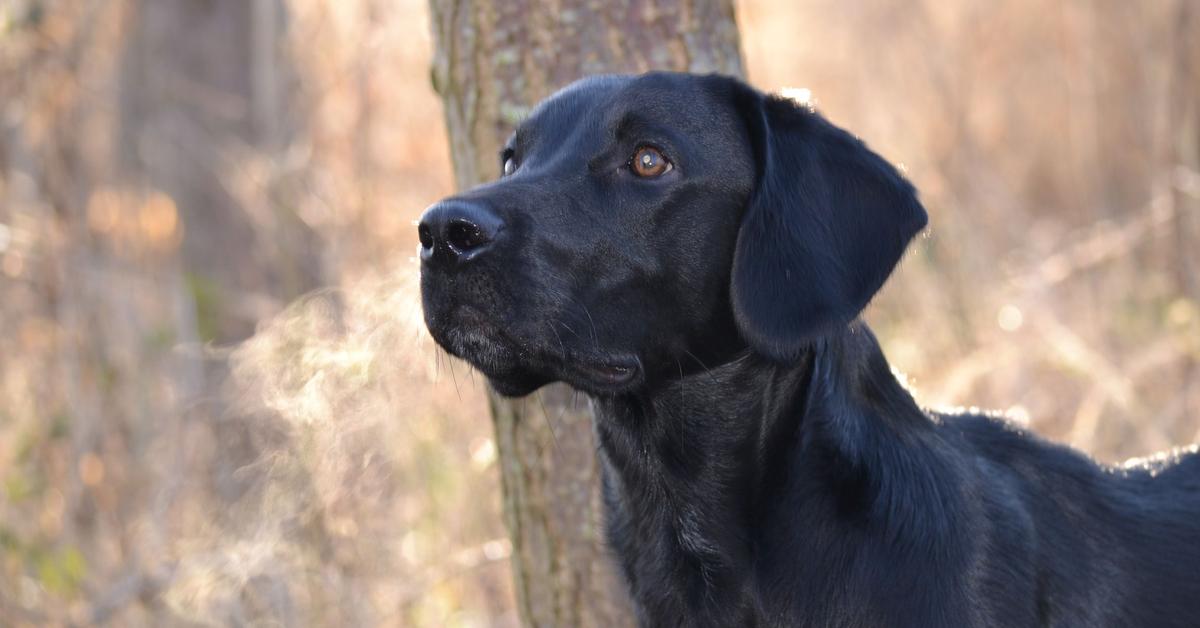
column 750, row 409
column 699, row 457
column 701, row 429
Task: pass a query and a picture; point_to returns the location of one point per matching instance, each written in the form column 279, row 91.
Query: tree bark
column 494, row 60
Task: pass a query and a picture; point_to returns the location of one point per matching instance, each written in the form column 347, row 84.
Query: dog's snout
column 456, row 231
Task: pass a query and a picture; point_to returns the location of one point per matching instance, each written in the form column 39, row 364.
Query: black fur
column 762, row 466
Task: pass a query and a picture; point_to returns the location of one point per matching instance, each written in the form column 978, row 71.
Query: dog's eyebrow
column 633, row 125
column 629, row 122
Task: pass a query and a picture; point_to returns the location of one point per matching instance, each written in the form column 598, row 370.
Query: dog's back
column 1115, row 546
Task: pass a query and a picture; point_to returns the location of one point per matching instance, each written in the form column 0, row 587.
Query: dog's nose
column 455, row 231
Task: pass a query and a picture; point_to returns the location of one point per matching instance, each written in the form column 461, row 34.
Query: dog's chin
column 517, row 385
column 516, row 369
column 606, row 377
column 492, row 354
column 498, row 363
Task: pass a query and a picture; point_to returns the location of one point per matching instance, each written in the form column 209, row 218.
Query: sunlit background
column 216, row 403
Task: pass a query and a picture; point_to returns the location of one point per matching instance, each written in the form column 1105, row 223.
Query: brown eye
column 510, row 166
column 648, row 162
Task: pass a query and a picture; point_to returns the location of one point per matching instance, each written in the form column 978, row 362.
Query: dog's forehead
column 576, row 103
column 603, row 102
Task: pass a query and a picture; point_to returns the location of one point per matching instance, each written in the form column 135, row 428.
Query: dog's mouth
column 610, row 375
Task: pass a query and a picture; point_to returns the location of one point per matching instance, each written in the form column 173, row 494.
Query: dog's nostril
column 463, row 235
column 456, row 231
column 425, row 236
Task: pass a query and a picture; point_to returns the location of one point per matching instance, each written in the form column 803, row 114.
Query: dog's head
column 646, row 226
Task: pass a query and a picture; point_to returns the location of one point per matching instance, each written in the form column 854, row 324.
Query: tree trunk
column 495, row 60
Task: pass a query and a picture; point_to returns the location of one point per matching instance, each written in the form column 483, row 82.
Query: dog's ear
column 825, row 225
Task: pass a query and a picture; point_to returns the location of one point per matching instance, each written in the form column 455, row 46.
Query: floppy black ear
column 826, row 224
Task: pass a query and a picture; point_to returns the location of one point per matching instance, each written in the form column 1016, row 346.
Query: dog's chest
column 689, row 551
column 678, row 561
column 676, row 571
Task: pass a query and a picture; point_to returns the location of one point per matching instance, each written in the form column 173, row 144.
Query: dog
column 694, row 255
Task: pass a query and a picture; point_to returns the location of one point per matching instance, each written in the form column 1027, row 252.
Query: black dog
column 694, row 254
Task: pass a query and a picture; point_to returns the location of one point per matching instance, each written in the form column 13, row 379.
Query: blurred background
column 217, row 404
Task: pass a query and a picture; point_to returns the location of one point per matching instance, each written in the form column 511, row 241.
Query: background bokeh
column 217, row 406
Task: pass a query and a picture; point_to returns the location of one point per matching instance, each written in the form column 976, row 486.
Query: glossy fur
column 762, row 465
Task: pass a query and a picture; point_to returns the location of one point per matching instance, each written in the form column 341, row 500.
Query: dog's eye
column 648, row 162
column 510, row 166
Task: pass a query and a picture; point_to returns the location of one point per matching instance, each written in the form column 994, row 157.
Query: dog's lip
column 610, row 373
